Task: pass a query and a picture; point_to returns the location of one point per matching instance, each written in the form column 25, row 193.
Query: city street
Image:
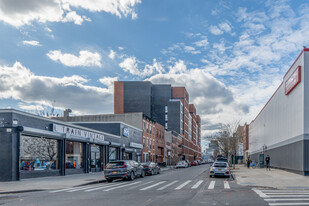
column 190, row 186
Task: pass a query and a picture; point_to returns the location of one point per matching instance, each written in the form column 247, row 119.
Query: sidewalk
column 55, row 182
column 275, row 178
column 51, row 183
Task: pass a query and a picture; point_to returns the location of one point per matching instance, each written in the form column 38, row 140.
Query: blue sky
column 230, row 55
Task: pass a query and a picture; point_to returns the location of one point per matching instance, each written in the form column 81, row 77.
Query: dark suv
column 123, row 169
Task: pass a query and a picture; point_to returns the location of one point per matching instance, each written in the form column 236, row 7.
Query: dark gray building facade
column 34, row 146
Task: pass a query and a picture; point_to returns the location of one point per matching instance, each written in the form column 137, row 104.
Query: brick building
column 167, row 105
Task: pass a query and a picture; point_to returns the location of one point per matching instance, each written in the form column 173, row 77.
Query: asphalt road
column 190, row 186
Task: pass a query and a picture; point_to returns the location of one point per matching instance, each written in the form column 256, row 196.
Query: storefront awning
column 114, row 144
column 42, row 133
column 129, row 150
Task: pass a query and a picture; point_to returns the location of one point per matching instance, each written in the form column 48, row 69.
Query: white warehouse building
column 281, row 129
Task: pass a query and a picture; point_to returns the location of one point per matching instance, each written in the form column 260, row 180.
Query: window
column 144, row 141
column 166, row 117
column 113, row 153
column 74, row 155
column 38, row 153
column 147, row 142
column 166, row 125
column 150, row 129
column 166, row 109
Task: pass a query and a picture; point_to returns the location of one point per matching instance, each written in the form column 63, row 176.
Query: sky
column 230, row 55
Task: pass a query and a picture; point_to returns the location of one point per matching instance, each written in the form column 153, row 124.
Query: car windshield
column 220, row 165
column 114, row 165
column 222, row 160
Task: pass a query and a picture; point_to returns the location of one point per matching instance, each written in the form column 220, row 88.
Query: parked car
column 194, row 163
column 220, row 169
column 151, row 168
column 182, row 164
column 123, row 169
column 199, row 162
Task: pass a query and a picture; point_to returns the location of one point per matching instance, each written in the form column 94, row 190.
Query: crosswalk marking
column 162, row 185
column 151, row 186
column 183, row 184
column 289, row 203
column 113, row 188
column 105, row 186
column 166, row 186
column 212, row 185
column 133, row 187
column 226, row 185
column 197, row 184
column 284, row 197
column 293, row 199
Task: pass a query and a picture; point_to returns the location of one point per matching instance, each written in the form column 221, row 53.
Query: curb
column 40, row 190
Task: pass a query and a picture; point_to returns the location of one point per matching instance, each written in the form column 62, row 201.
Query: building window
column 144, row 141
column 113, row 154
column 166, row 109
column 166, row 125
column 166, row 117
column 74, row 155
column 38, row 153
column 147, row 142
column 150, row 129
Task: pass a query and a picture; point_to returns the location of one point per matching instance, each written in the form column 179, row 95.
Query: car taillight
column 124, row 166
column 146, row 166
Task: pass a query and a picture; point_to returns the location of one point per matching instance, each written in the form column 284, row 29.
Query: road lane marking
column 287, row 196
column 66, row 189
column 113, row 188
column 293, row 199
column 133, row 187
column 288, row 193
column 226, row 185
column 151, row 186
column 105, row 186
column 289, row 203
column 212, row 185
column 260, row 193
column 166, row 186
column 183, row 184
column 197, row 184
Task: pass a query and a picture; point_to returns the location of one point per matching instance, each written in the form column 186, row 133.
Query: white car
column 182, row 164
column 220, row 169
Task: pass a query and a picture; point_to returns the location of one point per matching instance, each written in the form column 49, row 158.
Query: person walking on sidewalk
column 248, row 162
column 267, row 159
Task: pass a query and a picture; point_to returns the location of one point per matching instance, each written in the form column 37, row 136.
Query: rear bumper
column 117, row 176
column 221, row 174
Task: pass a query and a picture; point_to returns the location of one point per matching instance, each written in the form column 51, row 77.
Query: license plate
column 220, row 169
column 114, row 172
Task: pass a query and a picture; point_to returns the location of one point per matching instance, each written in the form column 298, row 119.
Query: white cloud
column 85, row 58
column 109, row 82
column 31, row 43
column 225, row 27
column 202, row 43
column 215, row 30
column 112, row 54
column 130, row 64
column 220, row 29
column 20, row 83
column 30, row 107
column 18, row 13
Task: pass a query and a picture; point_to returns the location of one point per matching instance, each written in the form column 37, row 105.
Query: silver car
column 220, row 169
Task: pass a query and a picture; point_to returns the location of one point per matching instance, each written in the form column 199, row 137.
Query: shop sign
column 69, row 131
column 125, row 132
column 292, row 81
column 136, row 145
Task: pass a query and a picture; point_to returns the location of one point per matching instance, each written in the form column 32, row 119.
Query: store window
column 113, row 154
column 74, row 155
column 95, row 158
column 38, row 153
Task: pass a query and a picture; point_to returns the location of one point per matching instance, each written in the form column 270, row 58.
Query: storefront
column 33, row 146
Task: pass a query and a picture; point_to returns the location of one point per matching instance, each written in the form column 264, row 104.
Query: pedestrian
column 267, row 159
column 248, row 162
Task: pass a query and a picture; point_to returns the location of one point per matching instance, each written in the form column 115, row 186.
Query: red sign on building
column 293, row 80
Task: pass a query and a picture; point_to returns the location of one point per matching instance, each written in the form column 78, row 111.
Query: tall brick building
column 167, row 105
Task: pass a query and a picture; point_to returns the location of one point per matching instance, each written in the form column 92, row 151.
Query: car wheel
column 143, row 174
column 132, row 176
column 158, row 171
column 109, row 180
